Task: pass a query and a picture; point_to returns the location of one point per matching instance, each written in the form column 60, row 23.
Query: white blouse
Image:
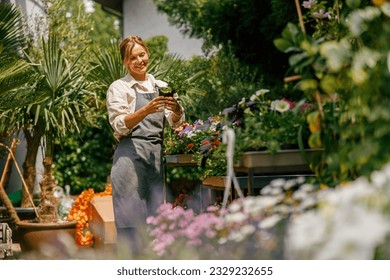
column 121, row 99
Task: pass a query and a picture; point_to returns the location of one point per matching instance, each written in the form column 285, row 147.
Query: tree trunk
column 48, row 204
column 29, row 170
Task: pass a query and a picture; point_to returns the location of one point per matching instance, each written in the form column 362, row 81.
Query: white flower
column 248, row 202
column 299, row 195
column 355, row 234
column 269, row 222
column 253, row 97
column 261, row 92
column 237, row 217
column 266, row 190
column 280, row 106
column 308, row 202
column 89, row 6
column 306, row 188
column 247, row 229
column 242, row 101
column 289, row 184
column 304, row 234
column 278, row 183
column 268, row 201
column 234, row 207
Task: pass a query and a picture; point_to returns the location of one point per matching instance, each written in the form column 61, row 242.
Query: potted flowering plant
column 187, row 139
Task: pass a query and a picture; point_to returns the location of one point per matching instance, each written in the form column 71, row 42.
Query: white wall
column 140, row 17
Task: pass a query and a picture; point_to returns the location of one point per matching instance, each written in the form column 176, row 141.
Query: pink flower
column 321, row 14
column 309, row 4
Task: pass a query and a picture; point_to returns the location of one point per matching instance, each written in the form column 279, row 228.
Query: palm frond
column 173, row 69
column 166, row 66
column 11, row 33
column 20, row 98
column 14, row 72
column 107, row 67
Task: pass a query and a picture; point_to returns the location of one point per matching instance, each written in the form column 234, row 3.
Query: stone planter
column 32, row 236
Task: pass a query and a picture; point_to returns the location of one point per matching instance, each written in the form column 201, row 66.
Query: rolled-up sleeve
column 120, row 102
column 168, row 116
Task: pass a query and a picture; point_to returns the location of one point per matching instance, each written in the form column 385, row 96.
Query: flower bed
column 291, row 219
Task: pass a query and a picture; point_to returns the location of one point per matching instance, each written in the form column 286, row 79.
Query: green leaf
column 297, row 58
column 291, row 32
column 282, row 45
column 353, row 4
column 328, row 84
column 308, row 85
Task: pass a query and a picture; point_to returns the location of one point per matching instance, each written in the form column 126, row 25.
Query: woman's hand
column 172, row 105
column 156, row 105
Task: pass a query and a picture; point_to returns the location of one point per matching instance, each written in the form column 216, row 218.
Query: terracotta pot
column 32, row 236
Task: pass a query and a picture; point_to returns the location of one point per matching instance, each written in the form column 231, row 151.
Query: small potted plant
column 183, row 142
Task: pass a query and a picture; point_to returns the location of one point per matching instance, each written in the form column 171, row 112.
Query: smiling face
column 135, row 57
column 137, row 62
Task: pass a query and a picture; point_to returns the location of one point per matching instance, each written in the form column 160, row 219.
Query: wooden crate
column 103, row 223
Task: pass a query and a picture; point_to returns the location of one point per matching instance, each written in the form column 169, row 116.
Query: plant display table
column 178, row 160
column 285, row 162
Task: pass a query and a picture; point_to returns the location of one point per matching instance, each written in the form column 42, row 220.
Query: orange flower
column 378, row 2
column 216, row 142
column 81, row 212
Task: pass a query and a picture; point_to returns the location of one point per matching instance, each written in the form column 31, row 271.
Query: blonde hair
column 127, row 46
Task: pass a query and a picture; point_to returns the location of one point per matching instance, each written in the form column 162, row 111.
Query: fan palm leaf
column 61, row 91
column 13, row 69
column 106, row 68
column 11, row 33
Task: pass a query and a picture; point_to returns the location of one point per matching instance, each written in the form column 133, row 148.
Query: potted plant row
column 272, row 134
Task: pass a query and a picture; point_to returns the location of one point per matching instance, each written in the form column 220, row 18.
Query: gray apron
column 136, row 174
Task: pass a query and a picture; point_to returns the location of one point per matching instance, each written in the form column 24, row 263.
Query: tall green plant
column 349, row 78
column 65, row 104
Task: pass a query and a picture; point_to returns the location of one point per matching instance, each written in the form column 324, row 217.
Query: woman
column 136, row 113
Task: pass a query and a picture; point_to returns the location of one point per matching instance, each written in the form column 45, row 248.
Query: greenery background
column 234, row 65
